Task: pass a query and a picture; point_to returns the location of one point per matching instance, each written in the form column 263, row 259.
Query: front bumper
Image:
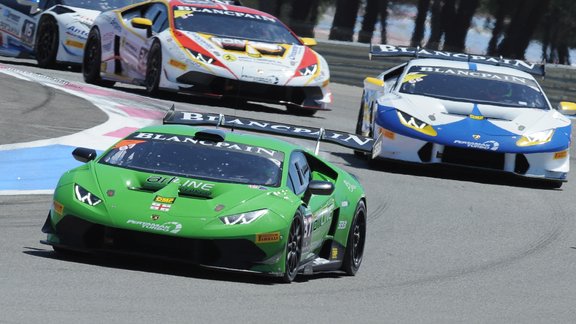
column 211, row 85
column 75, row 233
column 547, row 165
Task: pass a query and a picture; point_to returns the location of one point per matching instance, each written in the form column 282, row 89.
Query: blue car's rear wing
column 417, row 52
column 356, row 142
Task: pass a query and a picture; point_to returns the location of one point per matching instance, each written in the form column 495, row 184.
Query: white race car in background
column 468, row 110
column 207, row 48
column 52, row 31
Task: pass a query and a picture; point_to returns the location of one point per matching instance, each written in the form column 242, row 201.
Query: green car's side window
column 298, row 173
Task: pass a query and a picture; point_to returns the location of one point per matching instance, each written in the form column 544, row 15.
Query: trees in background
column 514, row 23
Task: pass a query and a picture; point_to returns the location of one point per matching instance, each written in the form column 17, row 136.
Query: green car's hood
column 136, row 195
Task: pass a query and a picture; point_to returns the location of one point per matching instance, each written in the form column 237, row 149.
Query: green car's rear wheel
column 356, row 241
column 293, row 248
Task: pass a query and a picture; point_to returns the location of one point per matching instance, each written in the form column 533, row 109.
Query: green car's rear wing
column 356, row 142
column 417, row 52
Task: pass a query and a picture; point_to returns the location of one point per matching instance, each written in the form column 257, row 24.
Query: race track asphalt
column 444, row 245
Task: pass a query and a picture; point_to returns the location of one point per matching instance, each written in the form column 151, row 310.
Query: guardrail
column 349, row 64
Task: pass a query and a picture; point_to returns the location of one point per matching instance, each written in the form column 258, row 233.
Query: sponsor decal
column 323, row 216
column 28, row 31
column 5, row 27
column 344, row 204
column 257, row 187
column 342, row 224
column 229, row 57
column 295, row 54
column 350, row 186
column 58, row 207
column 272, row 79
column 391, row 50
column 9, row 15
column 127, row 144
column 169, row 227
column 488, row 145
column 223, row 145
column 188, row 11
column 75, row 31
column 195, row 186
column 475, row 74
column 177, row 64
column 268, row 237
column 413, row 77
column 475, row 117
column 353, row 141
column 334, row 254
column 160, row 207
column 164, row 200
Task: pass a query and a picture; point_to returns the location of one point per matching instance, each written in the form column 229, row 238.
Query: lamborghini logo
column 476, row 136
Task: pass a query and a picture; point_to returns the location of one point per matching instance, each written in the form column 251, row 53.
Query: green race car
column 216, row 198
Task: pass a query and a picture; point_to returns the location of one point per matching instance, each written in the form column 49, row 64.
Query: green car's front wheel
column 356, row 241
column 293, row 248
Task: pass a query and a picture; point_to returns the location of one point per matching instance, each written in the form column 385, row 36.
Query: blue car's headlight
column 536, row 138
column 415, row 124
column 243, row 218
column 86, row 196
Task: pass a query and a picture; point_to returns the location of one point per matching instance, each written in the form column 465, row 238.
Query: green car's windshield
column 473, row 86
column 191, row 158
column 232, row 24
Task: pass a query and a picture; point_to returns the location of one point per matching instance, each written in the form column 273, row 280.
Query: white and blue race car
column 467, row 110
column 52, row 31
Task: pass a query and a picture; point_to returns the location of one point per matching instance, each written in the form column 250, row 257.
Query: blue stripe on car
column 467, row 131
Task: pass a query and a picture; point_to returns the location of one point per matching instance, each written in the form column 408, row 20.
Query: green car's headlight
column 415, row 124
column 536, row 138
column 86, row 196
column 243, row 218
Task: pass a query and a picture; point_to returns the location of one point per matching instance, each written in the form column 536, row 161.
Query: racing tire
column 298, row 111
column 293, row 248
column 154, row 70
column 356, row 241
column 92, row 60
column 47, row 43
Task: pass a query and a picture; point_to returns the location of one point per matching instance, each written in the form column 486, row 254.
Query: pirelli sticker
column 268, row 237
